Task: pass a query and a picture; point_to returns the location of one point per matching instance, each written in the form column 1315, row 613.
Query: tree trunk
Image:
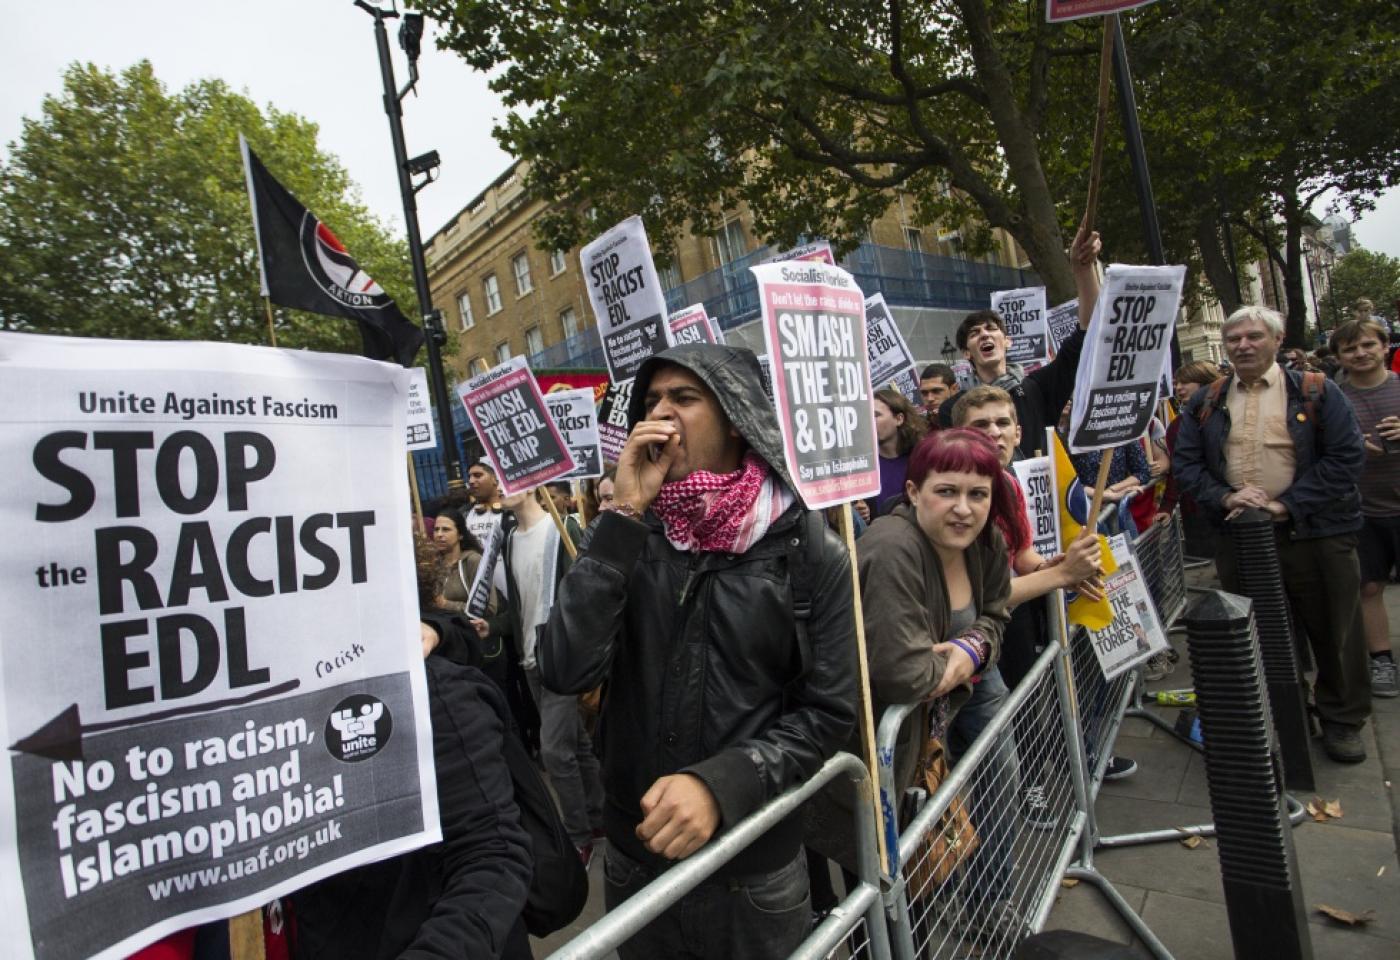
column 1220, row 272
column 1295, row 330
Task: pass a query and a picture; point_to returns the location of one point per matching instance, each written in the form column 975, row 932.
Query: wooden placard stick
column 1091, row 524
column 559, row 523
column 271, row 330
column 1100, row 122
column 417, row 501
column 245, row 936
column 867, row 710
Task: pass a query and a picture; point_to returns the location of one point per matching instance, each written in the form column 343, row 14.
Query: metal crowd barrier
column 855, row 928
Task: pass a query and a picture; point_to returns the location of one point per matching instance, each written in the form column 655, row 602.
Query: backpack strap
column 1212, row 401
column 802, row 558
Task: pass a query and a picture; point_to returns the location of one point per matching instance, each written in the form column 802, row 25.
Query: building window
column 534, row 341
column 464, row 305
column 730, row 243
column 556, row 262
column 670, row 276
column 914, row 239
column 569, row 321
column 520, row 266
column 492, row 286
column 502, row 352
column 477, row 365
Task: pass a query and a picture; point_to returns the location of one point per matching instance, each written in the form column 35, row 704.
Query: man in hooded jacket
column 680, row 600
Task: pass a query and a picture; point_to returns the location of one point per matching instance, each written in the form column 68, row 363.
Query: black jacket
column 1324, row 499
column 703, row 668
column 1040, row 397
column 460, row 898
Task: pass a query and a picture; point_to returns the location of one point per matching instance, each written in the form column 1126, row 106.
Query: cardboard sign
column 1058, row 11
column 479, row 596
column 693, row 325
column 612, row 420
column 576, row 418
column 627, row 298
column 1135, row 633
column 1023, row 315
column 507, row 410
column 1125, row 349
column 1039, row 487
column 1062, row 321
column 818, row 252
column 422, row 432
column 213, row 691
column 813, row 319
column 889, row 354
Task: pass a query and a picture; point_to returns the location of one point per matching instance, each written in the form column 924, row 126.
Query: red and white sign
column 813, row 319
column 693, row 325
column 1058, row 11
column 508, row 411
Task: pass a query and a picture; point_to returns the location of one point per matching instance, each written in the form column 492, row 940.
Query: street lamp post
column 410, row 35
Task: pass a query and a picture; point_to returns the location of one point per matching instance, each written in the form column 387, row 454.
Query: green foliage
column 124, row 213
column 1363, row 275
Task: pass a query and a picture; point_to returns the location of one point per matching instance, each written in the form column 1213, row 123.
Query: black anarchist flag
column 304, row 266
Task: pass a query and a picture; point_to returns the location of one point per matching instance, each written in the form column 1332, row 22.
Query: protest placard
column 422, row 432
column 1058, row 11
column 813, row 319
column 889, row 354
column 576, row 418
column 818, row 252
column 966, row 376
column 1023, row 317
column 612, row 420
column 765, row 373
column 479, row 596
column 1039, row 488
column 627, row 298
column 507, row 410
column 1127, row 344
column 213, row 691
column 1135, row 633
column 693, row 325
column 1061, row 322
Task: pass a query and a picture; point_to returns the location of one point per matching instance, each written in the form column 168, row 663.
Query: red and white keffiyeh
column 722, row 512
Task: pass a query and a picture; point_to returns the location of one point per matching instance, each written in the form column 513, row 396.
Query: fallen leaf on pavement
column 1333, row 808
column 1323, row 810
column 1380, row 872
column 1190, row 843
column 1069, row 882
column 1346, row 916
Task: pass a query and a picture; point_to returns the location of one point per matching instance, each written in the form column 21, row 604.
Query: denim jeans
column 758, row 917
column 995, row 791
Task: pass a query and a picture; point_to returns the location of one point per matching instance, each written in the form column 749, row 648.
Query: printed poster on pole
column 1128, row 343
column 813, row 319
column 627, row 298
column 213, row 691
column 422, row 432
column 890, row 357
column 1023, row 317
column 1038, row 485
column 1135, row 632
column 693, row 325
column 508, row 413
column 612, row 419
column 1061, row 323
column 576, row 418
column 1059, row 11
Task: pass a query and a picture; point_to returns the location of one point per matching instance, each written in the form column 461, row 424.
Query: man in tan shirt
column 1274, row 440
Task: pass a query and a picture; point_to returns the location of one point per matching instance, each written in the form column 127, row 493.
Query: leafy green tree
column 1362, row 275
column 124, row 213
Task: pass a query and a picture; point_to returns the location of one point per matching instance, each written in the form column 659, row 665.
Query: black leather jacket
column 703, row 669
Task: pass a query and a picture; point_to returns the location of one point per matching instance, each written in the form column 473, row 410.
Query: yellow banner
column 1073, row 505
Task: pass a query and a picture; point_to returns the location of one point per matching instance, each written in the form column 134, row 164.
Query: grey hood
column 732, row 374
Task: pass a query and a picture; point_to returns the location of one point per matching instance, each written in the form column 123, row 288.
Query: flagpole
column 271, row 330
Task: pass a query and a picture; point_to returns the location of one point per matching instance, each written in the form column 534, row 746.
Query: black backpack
column 559, row 884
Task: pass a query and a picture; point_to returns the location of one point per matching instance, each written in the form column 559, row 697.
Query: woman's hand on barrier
column 958, row 669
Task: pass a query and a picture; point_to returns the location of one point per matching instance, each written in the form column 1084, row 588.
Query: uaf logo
column 358, row 728
column 335, row 271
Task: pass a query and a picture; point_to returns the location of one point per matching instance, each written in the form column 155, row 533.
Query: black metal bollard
column 1263, row 893
column 1261, row 580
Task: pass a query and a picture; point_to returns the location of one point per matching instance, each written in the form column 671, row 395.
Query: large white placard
column 213, row 689
column 1128, row 343
column 627, row 298
column 814, row 328
column 576, row 418
column 1039, row 488
column 1023, row 317
column 890, row 358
